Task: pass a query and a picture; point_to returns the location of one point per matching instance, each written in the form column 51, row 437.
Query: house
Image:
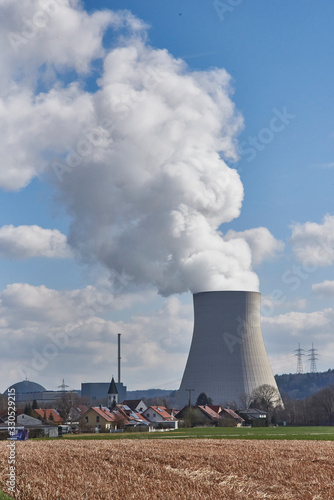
column 48, row 415
column 33, row 425
column 100, row 418
column 159, row 416
column 4, row 415
column 254, row 417
column 216, row 408
column 134, row 418
column 199, row 415
column 77, row 412
column 28, row 421
column 230, row 415
column 135, row 405
column 209, row 413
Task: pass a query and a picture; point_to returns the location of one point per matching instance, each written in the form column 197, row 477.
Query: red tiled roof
column 104, row 412
column 208, row 411
column 47, row 412
column 162, row 411
column 232, row 414
column 140, row 416
column 131, row 415
column 215, row 408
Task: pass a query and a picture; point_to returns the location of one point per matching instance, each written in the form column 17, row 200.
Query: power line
column 313, row 358
column 299, row 353
column 63, row 386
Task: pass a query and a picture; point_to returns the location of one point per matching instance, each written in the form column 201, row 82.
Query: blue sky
column 279, row 58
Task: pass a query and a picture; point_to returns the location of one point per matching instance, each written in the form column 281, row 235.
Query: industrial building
column 26, row 391
column 227, row 357
column 98, row 391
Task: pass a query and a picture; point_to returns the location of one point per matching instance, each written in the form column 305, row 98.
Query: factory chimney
column 227, row 357
column 119, row 358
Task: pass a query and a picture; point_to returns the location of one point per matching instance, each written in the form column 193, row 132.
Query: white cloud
column 21, row 302
column 277, row 302
column 324, row 289
column 39, row 41
column 48, row 329
column 23, row 242
column 57, row 33
column 282, row 334
column 263, row 244
column 313, row 244
column 299, row 322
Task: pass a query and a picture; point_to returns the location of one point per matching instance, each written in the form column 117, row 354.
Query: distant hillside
column 149, row 393
column 302, row 385
column 294, row 385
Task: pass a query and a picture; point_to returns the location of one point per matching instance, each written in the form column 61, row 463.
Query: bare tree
column 245, row 400
column 265, row 397
column 324, row 400
column 65, row 404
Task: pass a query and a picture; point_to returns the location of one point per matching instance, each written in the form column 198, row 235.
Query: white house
column 159, row 415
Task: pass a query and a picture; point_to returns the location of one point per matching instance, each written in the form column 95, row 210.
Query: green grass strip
column 289, row 433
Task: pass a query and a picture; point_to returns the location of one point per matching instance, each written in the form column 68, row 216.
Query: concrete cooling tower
column 227, row 357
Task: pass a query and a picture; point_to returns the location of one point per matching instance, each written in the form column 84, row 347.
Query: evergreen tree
column 203, row 399
column 35, row 405
column 28, row 409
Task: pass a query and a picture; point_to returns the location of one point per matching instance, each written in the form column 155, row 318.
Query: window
column 86, row 419
column 97, row 419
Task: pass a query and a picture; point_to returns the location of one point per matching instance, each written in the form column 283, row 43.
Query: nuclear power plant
column 227, row 357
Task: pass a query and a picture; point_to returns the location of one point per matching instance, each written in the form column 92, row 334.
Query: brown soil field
column 171, row 469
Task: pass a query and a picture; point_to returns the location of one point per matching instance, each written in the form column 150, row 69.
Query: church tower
column 112, row 398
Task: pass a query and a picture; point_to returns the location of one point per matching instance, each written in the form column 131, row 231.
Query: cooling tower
column 227, row 357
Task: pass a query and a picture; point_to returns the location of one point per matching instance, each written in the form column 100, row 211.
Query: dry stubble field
column 172, row 469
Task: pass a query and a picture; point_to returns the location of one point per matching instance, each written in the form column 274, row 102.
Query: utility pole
column 189, row 390
column 313, row 358
column 299, row 354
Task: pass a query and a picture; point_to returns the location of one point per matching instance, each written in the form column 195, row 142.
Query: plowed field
column 171, row 469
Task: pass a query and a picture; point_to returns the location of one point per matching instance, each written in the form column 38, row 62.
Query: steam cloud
column 140, row 162
column 149, row 198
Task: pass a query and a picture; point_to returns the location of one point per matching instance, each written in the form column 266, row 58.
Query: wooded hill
column 302, row 385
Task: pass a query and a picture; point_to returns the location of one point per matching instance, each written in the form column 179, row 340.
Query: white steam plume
column 139, row 161
column 149, row 198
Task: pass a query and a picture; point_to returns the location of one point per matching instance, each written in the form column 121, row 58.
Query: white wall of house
column 153, row 416
column 28, row 420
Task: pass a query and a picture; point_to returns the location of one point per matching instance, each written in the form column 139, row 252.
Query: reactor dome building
column 227, row 357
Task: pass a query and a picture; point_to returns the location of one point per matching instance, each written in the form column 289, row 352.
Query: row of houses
column 45, row 421
column 130, row 414
column 136, row 414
